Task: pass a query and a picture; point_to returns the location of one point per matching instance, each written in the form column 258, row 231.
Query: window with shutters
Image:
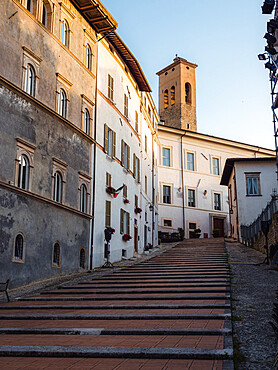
column 136, row 168
column 166, row 191
column 136, row 121
column 253, row 186
column 108, row 213
column 217, row 201
column 110, row 87
column 166, row 157
column 125, row 155
column 125, row 105
column 191, row 198
column 190, row 161
column 108, row 179
column 125, row 222
column 109, row 141
column 215, row 164
column 125, row 191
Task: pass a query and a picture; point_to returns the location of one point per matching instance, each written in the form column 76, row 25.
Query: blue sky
column 224, row 39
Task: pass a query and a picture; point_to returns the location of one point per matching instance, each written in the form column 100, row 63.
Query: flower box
column 111, row 229
column 126, row 237
column 137, row 210
column 126, row 201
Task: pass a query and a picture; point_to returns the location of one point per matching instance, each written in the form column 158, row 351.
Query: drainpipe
column 153, row 199
column 182, row 181
column 93, row 174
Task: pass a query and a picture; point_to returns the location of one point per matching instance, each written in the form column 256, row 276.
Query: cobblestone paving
column 169, row 312
column 253, row 290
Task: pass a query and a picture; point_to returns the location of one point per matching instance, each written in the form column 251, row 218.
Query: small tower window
column 173, row 95
column 166, row 99
column 188, row 93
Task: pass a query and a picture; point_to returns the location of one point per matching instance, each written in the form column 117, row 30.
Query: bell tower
column 177, row 95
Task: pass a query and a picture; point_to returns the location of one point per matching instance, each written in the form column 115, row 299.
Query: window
column 56, row 259
column 23, row 173
column 65, row 33
column 167, row 222
column 190, row 161
column 30, row 78
column 83, row 198
column 166, row 99
column 125, row 155
column 58, row 187
column 109, row 141
column 44, row 15
column 82, row 255
column 166, row 194
column 108, row 213
column 146, row 144
column 86, row 122
column 173, row 98
column 146, row 185
column 166, row 157
column 62, row 103
column 108, row 179
column 136, row 121
column 135, row 201
column 88, row 57
column 217, row 201
column 124, row 220
column 192, row 225
column 125, row 105
column 253, row 187
column 110, row 88
column 18, row 247
column 136, row 168
column 188, row 93
column 125, row 191
column 215, row 166
column 191, row 198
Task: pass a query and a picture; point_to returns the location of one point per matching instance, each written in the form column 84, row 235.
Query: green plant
column 215, row 233
column 181, row 232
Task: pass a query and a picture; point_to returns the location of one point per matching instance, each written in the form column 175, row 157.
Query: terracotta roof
column 130, row 61
column 96, row 15
column 229, row 165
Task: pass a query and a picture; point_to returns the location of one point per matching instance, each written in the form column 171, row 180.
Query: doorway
column 218, row 223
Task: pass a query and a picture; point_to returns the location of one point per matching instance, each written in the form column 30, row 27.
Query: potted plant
column 126, row 237
column 215, row 233
column 197, row 233
column 126, row 201
column 137, row 210
column 111, row 229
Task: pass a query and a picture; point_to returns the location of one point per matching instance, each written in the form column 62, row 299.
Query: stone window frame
column 26, row 149
column 195, row 196
column 84, row 179
column 67, row 15
column 171, row 155
column 49, row 14
column 19, row 260
column 59, row 166
column 30, row 58
column 90, row 40
column 212, row 157
column 62, row 84
column 171, row 192
column 221, row 200
column 256, row 175
column 194, row 160
column 57, row 265
column 87, row 104
column 167, row 219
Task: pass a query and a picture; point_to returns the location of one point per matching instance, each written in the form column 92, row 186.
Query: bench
column 4, row 288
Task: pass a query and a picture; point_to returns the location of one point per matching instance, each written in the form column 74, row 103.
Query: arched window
column 18, row 248
column 65, row 33
column 88, row 57
column 44, row 15
column 23, row 172
column 166, row 99
column 58, row 187
column 82, row 258
column 188, row 93
column 56, row 258
column 173, row 98
column 30, row 77
column 83, row 198
column 86, row 122
column 29, row 5
column 62, row 103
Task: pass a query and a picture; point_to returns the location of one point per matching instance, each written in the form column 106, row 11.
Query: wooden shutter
column 123, row 154
column 105, row 138
column 122, row 221
column 136, row 201
column 134, row 165
column 128, row 222
column 114, row 144
column 108, row 214
column 128, row 157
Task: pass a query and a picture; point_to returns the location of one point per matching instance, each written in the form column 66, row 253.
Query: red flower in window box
column 110, row 190
column 111, row 229
column 126, row 237
column 126, row 201
column 138, row 210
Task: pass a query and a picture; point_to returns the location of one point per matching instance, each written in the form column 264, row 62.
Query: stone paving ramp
column 170, row 312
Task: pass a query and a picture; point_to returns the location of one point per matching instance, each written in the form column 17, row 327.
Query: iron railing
column 251, row 233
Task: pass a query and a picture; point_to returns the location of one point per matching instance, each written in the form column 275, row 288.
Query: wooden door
column 218, row 223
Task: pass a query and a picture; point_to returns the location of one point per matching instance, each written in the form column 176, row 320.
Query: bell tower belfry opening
column 177, row 95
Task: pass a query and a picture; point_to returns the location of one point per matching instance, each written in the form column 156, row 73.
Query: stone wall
column 259, row 244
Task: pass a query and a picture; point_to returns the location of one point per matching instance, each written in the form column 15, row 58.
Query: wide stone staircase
column 170, row 312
